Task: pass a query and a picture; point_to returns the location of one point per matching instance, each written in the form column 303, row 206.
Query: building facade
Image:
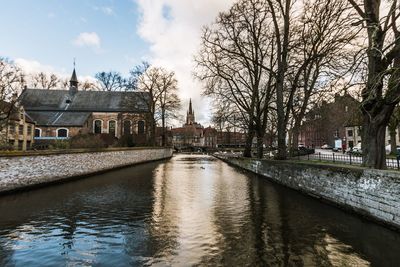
column 327, row 122
column 61, row 114
column 18, row 130
column 191, row 134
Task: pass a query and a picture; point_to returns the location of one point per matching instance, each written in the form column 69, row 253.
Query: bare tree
column 161, row 86
column 281, row 16
column 382, row 90
column 321, row 54
column 45, row 81
column 169, row 101
column 11, row 80
column 135, row 75
column 110, row 81
column 230, row 61
column 87, row 85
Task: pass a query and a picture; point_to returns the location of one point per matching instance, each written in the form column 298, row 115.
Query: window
column 141, row 127
column 29, row 131
column 63, row 133
column 127, row 127
column 97, row 126
column 111, row 127
column 350, row 133
column 21, row 129
column 346, row 108
column 38, row 132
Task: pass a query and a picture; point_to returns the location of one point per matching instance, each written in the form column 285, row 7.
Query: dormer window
column 68, row 101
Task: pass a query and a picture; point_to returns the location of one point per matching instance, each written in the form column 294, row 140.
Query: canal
column 190, row 210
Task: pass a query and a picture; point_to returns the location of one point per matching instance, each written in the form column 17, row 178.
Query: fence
column 344, row 159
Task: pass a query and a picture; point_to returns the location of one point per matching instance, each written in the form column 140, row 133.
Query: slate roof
column 83, row 101
column 58, row 119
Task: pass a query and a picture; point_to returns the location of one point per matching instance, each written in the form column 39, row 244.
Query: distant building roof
column 83, row 101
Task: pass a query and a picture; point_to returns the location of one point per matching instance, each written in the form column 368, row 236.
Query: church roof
column 84, row 101
column 46, row 118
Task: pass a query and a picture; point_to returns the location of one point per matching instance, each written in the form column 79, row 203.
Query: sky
column 106, row 35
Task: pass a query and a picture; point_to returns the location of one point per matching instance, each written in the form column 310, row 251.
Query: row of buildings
column 41, row 116
column 193, row 134
column 45, row 115
column 336, row 124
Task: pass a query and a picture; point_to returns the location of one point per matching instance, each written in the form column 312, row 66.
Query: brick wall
column 373, row 193
column 21, row 172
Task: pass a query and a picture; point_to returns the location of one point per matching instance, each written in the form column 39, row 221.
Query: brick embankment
column 19, row 173
column 371, row 193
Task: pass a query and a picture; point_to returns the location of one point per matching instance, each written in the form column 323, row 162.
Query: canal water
column 190, row 210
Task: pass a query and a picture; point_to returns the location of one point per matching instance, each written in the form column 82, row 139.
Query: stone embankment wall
column 373, row 193
column 22, row 172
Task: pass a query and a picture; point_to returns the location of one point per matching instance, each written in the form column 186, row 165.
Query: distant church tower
column 73, row 83
column 190, row 115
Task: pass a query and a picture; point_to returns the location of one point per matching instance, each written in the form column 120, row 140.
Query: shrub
column 108, row 139
column 6, row 147
column 61, row 144
column 86, row 141
column 126, row 140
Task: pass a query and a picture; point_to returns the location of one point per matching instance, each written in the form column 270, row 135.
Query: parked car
column 355, row 151
column 326, row 146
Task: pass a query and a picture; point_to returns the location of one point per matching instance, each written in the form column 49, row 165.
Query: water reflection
column 191, row 210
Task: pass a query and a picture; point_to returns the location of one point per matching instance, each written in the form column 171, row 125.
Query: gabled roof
column 46, row 118
column 84, row 101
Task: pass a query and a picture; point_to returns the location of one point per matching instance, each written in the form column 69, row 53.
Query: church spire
column 190, row 114
column 74, row 80
column 190, row 106
column 73, row 83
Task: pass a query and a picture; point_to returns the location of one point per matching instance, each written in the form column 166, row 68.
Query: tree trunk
column 295, row 137
column 163, row 140
column 153, row 133
column 249, row 142
column 373, row 144
column 260, row 146
column 393, row 144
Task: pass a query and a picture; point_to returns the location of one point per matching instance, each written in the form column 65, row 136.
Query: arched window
column 112, row 125
column 62, row 133
column 127, row 127
column 140, row 127
column 38, row 132
column 97, row 126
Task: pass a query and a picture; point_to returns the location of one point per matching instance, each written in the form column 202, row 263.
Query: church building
column 60, row 114
column 191, row 133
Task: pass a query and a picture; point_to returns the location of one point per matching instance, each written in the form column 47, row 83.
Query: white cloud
column 88, row 39
column 173, row 29
column 33, row 66
column 107, row 10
